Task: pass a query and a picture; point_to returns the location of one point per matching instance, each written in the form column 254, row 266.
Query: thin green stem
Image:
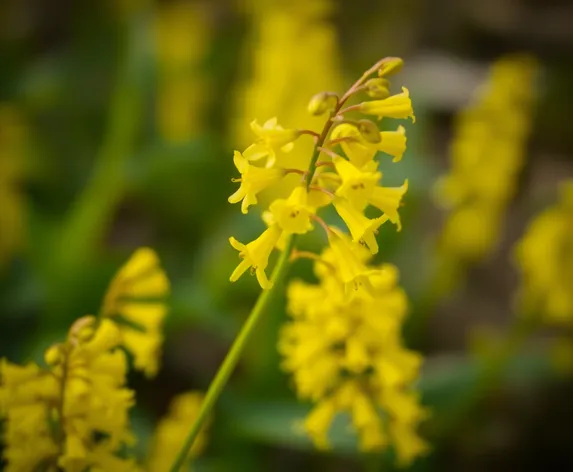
column 232, row 357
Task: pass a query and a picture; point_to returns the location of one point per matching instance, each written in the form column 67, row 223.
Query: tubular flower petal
column 253, row 180
column 256, row 254
column 388, row 200
column 363, row 229
column 355, row 147
column 357, row 185
column 293, row 214
column 271, row 138
column 393, row 143
column 396, row 106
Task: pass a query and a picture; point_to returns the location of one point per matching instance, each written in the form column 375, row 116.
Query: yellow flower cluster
column 349, row 183
column 172, row 430
column 343, row 345
column 486, row 155
column 182, row 38
column 72, row 414
column 545, row 260
column 12, row 142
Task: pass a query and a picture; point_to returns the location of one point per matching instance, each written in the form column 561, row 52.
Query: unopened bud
column 322, row 102
column 378, row 88
column 369, row 131
column 390, row 66
column 54, row 355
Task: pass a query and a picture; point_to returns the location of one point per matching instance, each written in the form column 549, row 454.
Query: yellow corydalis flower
column 172, row 430
column 270, row 139
column 293, row 214
column 395, row 106
column 81, row 394
column 256, row 254
column 363, row 229
column 360, row 152
column 135, row 301
column 545, row 260
column 253, row 180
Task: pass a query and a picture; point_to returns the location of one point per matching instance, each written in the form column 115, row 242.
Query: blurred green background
column 117, row 124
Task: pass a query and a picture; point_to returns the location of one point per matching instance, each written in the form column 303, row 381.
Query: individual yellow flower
column 256, row 254
column 172, row 431
column 356, row 185
column 271, row 138
column 292, row 215
column 135, row 302
column 363, row 229
column 396, row 106
column 354, row 146
column 360, row 152
column 253, row 180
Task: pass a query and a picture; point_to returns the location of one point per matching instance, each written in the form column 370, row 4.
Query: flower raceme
column 343, row 344
column 545, row 260
column 72, row 414
column 490, row 135
column 350, row 182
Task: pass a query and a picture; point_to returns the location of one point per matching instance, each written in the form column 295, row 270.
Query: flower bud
column 369, row 131
column 378, row 88
column 390, row 66
column 322, row 102
column 53, row 355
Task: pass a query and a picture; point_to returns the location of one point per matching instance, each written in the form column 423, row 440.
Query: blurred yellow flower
column 486, row 156
column 345, row 354
column 171, row 432
column 545, row 260
column 60, row 414
column 182, row 36
column 135, row 301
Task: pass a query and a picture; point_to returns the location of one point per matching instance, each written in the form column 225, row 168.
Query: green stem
column 228, row 365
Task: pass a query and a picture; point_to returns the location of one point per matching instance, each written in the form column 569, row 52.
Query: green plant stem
column 221, row 378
